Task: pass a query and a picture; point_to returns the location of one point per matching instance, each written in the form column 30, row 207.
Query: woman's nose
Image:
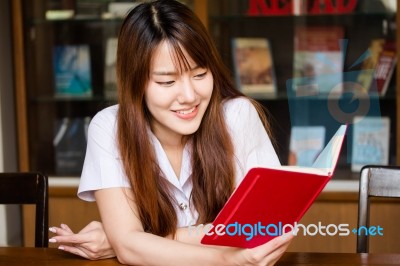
column 187, row 92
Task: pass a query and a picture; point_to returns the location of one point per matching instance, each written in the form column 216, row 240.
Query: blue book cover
column 72, row 71
column 70, row 140
column 370, row 141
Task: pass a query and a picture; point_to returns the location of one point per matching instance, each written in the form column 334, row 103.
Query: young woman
column 172, row 151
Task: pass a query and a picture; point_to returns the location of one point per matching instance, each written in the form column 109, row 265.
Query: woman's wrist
column 185, row 235
column 227, row 256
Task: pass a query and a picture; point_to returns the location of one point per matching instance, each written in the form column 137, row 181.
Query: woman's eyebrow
column 165, row 73
column 172, row 73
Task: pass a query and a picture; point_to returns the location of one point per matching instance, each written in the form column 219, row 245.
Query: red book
column 270, row 199
column 385, row 67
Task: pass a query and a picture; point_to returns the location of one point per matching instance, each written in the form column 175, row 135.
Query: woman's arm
column 92, row 243
column 127, row 240
column 134, row 246
column 89, row 243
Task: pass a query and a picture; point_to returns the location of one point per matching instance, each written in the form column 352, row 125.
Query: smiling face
column 177, row 100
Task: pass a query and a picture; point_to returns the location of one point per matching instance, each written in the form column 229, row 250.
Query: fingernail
column 61, row 247
column 52, row 229
column 63, row 226
column 52, row 240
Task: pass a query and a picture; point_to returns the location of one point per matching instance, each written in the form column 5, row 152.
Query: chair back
column 375, row 181
column 28, row 188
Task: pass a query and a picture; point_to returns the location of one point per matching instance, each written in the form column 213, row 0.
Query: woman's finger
column 76, row 239
column 274, row 256
column 271, row 251
column 275, row 243
column 60, row 231
column 66, row 228
column 74, row 250
column 85, row 253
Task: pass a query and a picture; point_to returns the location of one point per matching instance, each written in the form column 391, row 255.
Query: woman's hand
column 90, row 243
column 266, row 254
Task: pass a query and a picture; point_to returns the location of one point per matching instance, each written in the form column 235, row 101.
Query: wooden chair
column 28, row 188
column 375, row 181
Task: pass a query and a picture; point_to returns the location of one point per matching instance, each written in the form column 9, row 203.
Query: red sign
column 269, row 7
column 331, row 6
column 286, row 7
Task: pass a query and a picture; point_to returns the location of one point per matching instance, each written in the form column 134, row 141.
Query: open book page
column 326, row 160
column 301, row 169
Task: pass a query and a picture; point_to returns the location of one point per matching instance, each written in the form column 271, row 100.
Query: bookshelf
column 361, row 22
column 35, row 36
column 40, row 109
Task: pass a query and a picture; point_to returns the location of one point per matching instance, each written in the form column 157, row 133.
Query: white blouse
column 103, row 168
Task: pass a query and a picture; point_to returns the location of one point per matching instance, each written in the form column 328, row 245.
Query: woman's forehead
column 175, row 58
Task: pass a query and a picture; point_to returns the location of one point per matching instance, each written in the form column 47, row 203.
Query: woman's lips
column 187, row 114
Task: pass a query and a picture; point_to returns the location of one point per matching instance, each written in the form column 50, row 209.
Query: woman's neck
column 174, row 152
column 169, row 139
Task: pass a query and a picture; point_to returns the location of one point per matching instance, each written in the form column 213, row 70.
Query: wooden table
column 10, row 256
column 300, row 258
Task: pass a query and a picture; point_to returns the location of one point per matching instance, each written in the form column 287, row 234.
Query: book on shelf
column 55, row 10
column 318, row 60
column 59, row 14
column 253, row 66
column 72, row 71
column 370, row 143
column 270, row 200
column 385, row 66
column 70, row 139
column 110, row 76
column 369, row 64
column 306, row 142
column 377, row 7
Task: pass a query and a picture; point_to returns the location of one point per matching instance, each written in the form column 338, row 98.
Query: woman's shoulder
column 237, row 102
column 239, row 108
column 109, row 113
column 105, row 119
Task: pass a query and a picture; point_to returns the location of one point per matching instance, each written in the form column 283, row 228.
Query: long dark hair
column 213, row 172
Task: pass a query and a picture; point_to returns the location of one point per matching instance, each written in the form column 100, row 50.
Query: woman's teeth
column 185, row 112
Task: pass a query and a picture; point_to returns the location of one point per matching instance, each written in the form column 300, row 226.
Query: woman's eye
column 202, row 75
column 166, row 83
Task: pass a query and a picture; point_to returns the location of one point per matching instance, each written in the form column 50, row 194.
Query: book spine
column 385, row 67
